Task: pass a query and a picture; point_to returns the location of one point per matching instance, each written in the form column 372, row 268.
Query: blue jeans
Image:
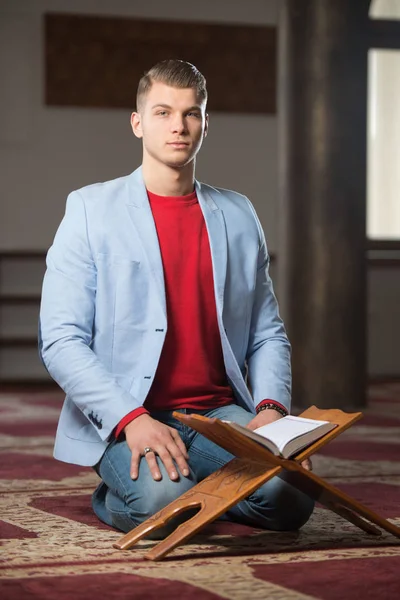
column 123, row 503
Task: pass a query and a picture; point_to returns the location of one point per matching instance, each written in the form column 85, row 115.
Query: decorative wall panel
column 98, row 61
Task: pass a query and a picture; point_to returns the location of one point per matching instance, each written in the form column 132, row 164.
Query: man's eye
column 194, row 114
column 161, row 113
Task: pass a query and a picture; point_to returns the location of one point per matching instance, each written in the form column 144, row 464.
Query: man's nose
column 178, row 124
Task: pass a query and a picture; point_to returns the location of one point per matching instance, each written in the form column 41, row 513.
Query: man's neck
column 167, row 181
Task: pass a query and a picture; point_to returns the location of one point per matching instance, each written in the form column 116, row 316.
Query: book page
column 260, row 439
column 282, row 431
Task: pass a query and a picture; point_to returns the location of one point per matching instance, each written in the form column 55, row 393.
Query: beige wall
column 46, row 152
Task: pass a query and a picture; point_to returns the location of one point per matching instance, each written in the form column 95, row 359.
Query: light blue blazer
column 103, row 315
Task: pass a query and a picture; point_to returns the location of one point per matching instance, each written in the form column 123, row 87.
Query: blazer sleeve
column 66, row 325
column 268, row 352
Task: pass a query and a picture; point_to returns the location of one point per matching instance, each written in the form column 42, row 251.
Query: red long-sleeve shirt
column 191, row 371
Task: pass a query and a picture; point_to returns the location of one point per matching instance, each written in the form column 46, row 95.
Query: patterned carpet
column 53, row 547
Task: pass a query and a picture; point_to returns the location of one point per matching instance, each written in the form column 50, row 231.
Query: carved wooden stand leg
column 232, row 483
column 214, row 496
column 339, row 502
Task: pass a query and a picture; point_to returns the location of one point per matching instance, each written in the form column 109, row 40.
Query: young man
column 157, row 298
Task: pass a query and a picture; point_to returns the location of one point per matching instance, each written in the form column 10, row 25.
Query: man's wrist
column 128, row 419
column 272, row 405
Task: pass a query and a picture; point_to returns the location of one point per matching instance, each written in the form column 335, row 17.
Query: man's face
column 173, row 123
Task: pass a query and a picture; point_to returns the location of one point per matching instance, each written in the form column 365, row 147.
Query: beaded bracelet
column 282, row 411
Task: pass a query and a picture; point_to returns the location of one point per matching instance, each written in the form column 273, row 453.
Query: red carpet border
column 53, row 547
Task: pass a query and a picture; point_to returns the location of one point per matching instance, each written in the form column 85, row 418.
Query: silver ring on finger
column 147, row 450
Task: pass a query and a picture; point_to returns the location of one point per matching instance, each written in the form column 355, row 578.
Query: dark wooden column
column 322, row 99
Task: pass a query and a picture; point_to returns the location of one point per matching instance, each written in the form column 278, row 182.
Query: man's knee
column 282, row 506
column 157, row 495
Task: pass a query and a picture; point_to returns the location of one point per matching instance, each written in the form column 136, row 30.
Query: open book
column 287, row 436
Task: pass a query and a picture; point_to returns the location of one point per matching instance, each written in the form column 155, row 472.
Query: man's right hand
column 145, row 432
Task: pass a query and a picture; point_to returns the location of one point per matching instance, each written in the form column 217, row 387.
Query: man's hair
column 173, row 72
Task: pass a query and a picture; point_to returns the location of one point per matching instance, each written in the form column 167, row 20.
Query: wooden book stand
column 240, row 477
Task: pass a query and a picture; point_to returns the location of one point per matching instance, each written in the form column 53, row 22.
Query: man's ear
column 136, row 124
column 206, row 124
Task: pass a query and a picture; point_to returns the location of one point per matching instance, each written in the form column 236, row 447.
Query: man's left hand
column 267, row 416
column 263, row 418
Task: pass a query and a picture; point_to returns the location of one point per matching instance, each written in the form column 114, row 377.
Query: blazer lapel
column 216, row 228
column 215, row 224
column 142, row 220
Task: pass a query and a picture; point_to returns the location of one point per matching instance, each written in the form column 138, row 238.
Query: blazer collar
column 142, row 219
column 137, row 195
